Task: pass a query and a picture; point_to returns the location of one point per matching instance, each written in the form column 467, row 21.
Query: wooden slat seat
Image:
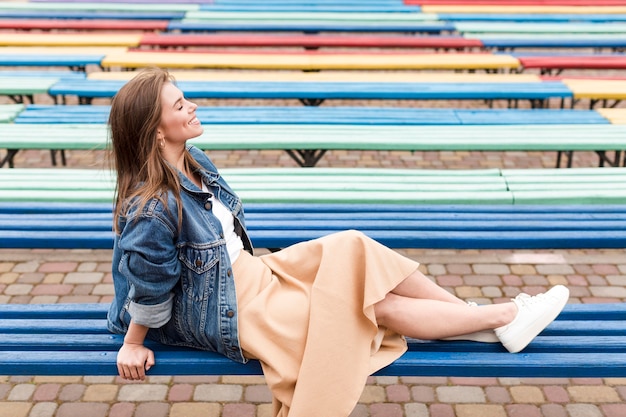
column 597, row 91
column 311, row 93
column 615, row 116
column 555, row 64
column 69, row 39
column 312, row 61
column 473, row 28
column 186, row 25
column 307, row 143
column 169, row 40
column 72, row 225
column 370, row 115
column 532, row 17
column 525, row 8
column 84, row 24
column 8, row 112
column 287, row 185
column 332, row 76
column 96, row 15
column 586, row 340
column 21, row 89
column 76, row 58
column 507, row 42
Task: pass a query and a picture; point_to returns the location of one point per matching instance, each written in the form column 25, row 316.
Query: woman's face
column 178, row 117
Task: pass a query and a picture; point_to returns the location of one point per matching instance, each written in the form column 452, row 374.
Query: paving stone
column 83, row 409
column 195, row 409
column 122, row 409
column 258, row 394
column 152, row 409
column 372, row 394
column 239, row 410
column 221, row 393
column 458, row 394
column 556, row 394
column 72, row 392
column 101, row 393
column 423, row 394
column 21, row 392
column 613, row 410
column 143, row 392
column 386, row 410
column 180, row 392
column 525, row 410
column 480, row 410
column 526, row 394
column 43, row 409
column 14, row 409
column 593, row 394
column 46, row 392
column 583, row 410
column 553, row 410
column 416, row 410
column 442, row 410
column 398, row 393
column 498, row 395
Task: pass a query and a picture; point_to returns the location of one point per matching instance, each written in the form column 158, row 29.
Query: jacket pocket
column 199, row 271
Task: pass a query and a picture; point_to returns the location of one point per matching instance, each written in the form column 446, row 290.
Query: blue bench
column 87, row 225
column 76, row 62
column 51, row 114
column 315, row 93
column 586, row 340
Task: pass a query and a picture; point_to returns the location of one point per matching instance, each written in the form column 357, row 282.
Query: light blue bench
column 370, row 115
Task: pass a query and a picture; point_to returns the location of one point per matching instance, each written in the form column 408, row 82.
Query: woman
column 321, row 316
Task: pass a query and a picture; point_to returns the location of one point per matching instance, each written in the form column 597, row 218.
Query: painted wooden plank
column 317, row 61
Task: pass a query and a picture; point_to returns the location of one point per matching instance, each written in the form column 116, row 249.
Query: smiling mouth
column 194, row 121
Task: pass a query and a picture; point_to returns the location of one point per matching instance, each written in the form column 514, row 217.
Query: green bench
column 350, row 185
column 307, row 144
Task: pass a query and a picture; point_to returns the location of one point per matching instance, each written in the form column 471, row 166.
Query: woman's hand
column 133, row 360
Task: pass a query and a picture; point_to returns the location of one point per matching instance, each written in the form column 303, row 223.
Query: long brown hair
column 142, row 172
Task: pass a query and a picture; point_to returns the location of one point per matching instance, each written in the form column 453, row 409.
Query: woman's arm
column 133, row 358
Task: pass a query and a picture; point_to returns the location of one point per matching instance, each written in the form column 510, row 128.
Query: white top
column 234, row 244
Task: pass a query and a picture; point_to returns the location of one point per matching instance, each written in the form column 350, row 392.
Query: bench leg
column 613, row 162
column 8, row 158
column 306, row 157
column 568, row 154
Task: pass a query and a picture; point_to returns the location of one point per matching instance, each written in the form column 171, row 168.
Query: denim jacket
column 180, row 283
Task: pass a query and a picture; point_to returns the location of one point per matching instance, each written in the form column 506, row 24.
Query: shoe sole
column 535, row 328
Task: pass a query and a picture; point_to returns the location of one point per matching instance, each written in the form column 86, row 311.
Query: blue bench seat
column 586, row 340
column 98, row 114
column 314, row 93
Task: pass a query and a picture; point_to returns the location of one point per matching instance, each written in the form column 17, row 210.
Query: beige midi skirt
column 307, row 314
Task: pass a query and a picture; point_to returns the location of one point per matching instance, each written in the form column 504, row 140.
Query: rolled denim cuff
column 152, row 316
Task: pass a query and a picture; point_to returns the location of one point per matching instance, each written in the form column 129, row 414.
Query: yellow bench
column 597, row 90
column 70, row 39
column 334, row 76
column 313, row 61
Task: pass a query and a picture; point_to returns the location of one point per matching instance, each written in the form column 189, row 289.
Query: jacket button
column 229, row 272
column 230, row 314
column 198, row 263
column 208, row 205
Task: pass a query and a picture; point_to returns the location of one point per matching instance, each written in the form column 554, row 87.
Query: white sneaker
column 483, row 336
column 534, row 314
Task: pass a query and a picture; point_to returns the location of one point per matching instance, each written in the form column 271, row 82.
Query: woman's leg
column 429, row 319
column 417, row 285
